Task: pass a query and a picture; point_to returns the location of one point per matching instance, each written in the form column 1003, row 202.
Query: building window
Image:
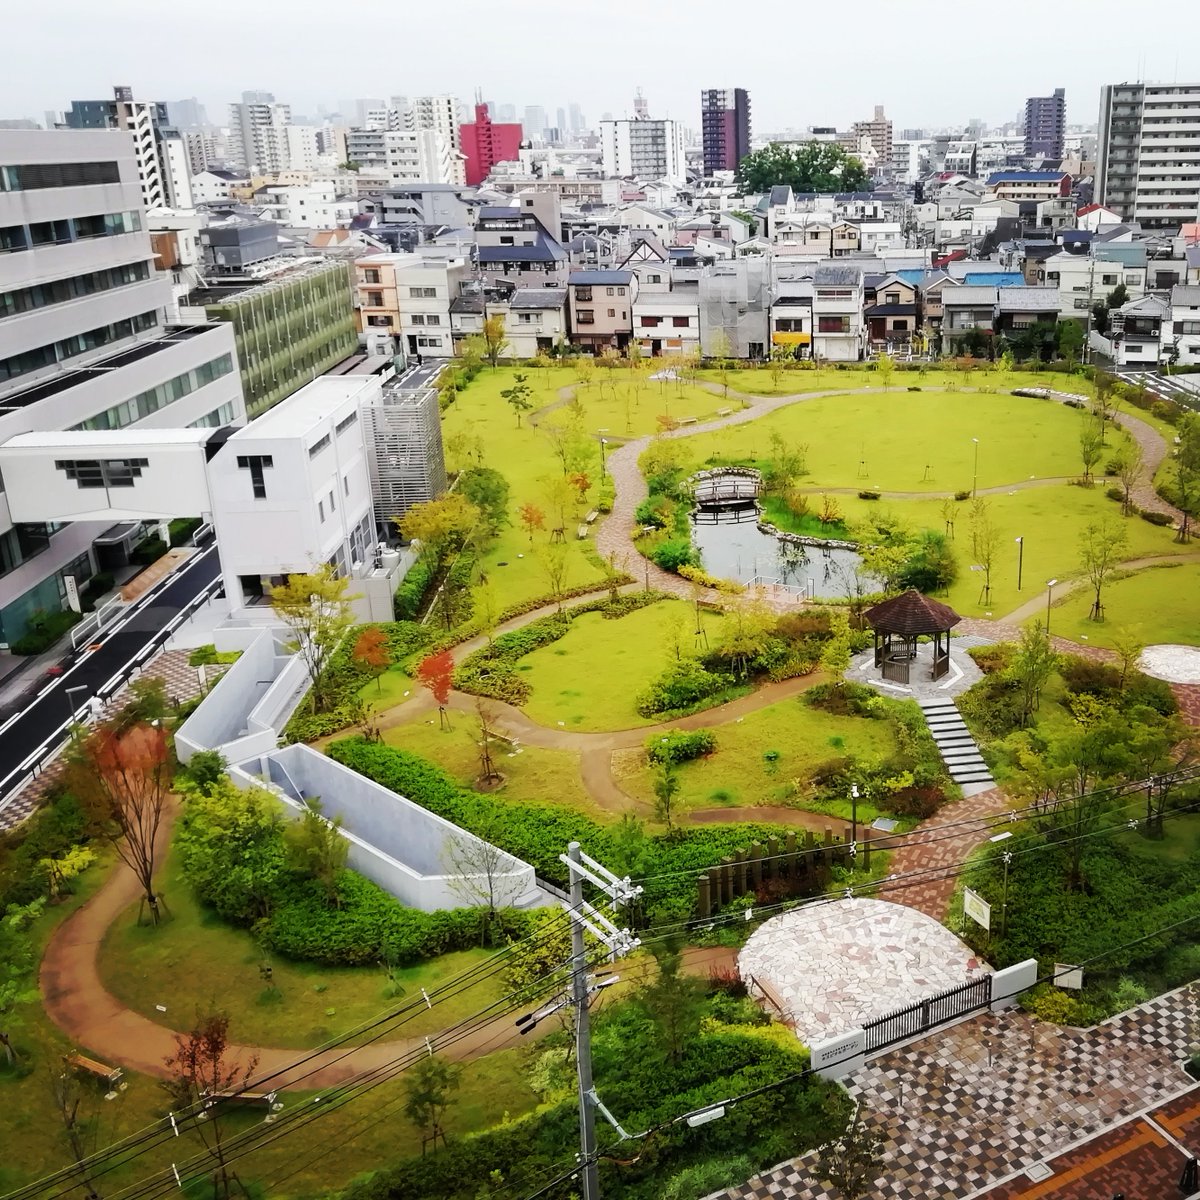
column 346, row 423
column 620, row 291
column 609, row 292
column 422, row 293
column 433, row 319
column 417, row 319
column 430, row 343
column 833, row 324
column 34, row 177
column 649, row 322
column 891, row 297
column 612, row 312
column 1110, row 280
column 374, row 299
column 506, row 239
column 370, row 275
column 319, row 445
column 256, row 464
column 321, row 510
column 681, row 322
column 102, row 472
column 150, row 401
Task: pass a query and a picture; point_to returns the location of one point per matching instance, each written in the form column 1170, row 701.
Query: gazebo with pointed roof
column 899, row 623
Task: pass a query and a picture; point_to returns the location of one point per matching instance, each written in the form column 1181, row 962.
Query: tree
column 17, row 961
column 787, row 463
column 1070, row 339
column 442, row 524
column 560, row 502
column 317, row 849
column 447, row 389
column 885, row 365
column 435, row 673
column 585, row 369
column 1091, row 447
column 372, row 654
column 554, row 565
column 1118, row 297
column 518, row 396
column 1129, row 472
column 495, row 338
column 429, row 1089
column 852, row 1162
column 569, row 444
column 202, row 1071
column 746, row 633
column 720, row 352
column 316, row 609
column 1031, row 667
column 810, row 167
column 461, row 447
column 1104, row 402
column 1128, row 645
column 68, row 1094
column 487, row 490
column 123, row 781
column 781, row 356
column 485, row 722
column 1100, row 548
column 985, row 543
column 666, row 792
column 486, row 604
column 837, row 652
column 478, row 871
column 674, row 1000
column 531, row 518
column 1187, row 472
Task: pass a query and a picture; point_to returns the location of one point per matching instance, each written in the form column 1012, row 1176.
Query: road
column 46, row 716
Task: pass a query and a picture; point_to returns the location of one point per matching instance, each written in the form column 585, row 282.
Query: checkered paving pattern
column 980, row 1101
column 183, row 684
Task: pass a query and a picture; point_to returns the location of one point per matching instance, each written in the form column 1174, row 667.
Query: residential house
column 411, row 296
column 514, row 247
column 1084, row 280
column 966, row 309
column 666, row 320
column 306, row 206
column 467, row 312
column 815, row 235
column 535, row 320
column 1018, row 309
column 1096, row 216
column 600, row 308
column 892, row 319
column 1184, row 347
column 735, row 307
column 792, row 316
column 216, row 184
column 880, row 237
column 839, row 332
column 1029, row 185
column 1138, row 330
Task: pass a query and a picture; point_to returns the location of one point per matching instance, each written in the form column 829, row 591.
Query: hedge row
column 410, row 595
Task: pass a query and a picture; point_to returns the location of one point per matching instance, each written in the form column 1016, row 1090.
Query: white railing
column 203, row 533
column 94, row 622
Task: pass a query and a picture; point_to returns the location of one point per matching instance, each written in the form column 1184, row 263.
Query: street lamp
column 975, row 475
column 1020, row 559
column 1049, row 597
column 854, row 814
column 71, row 705
column 1006, row 858
column 603, row 447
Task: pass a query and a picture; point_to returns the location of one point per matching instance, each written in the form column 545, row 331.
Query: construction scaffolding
column 735, row 309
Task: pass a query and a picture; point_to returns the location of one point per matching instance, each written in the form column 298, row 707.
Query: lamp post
column 1020, row 559
column 975, row 474
column 1049, row 597
column 71, row 706
column 1006, row 858
column 854, row 814
column 603, row 450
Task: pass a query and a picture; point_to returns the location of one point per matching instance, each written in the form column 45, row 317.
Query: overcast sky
column 805, row 63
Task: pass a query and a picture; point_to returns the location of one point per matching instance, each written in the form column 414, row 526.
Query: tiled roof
column 1185, row 297
column 543, row 250
column 467, row 304
column 831, row 275
column 970, row 295
column 891, row 310
column 912, row 613
column 600, row 278
column 538, row 298
column 498, row 212
column 1028, row 299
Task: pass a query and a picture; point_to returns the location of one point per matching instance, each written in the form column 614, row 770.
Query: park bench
column 710, row 605
column 724, row 412
column 591, row 517
column 687, row 421
column 240, row 1099
column 98, row 1070
column 581, row 532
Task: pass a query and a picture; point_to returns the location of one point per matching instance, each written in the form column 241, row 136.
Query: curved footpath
column 77, row 1001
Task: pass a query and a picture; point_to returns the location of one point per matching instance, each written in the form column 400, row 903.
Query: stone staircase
column 957, row 746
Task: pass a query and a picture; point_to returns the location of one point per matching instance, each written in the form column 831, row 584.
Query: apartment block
column 1148, row 153
column 411, row 298
column 84, row 342
column 725, row 127
column 643, row 149
column 485, row 143
column 258, row 138
column 1046, row 125
column 404, row 156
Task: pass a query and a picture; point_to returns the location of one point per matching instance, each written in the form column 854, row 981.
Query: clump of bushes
column 847, row 700
column 680, row 745
column 681, row 687
column 45, row 628
column 25, row 851
column 869, row 494
column 994, row 657
column 962, row 494
column 674, row 553
column 1156, row 518
column 410, row 595
column 1102, row 680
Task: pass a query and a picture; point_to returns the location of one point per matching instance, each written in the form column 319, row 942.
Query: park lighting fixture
column 1049, row 597
column 705, row 1115
column 975, row 475
column 1020, row 559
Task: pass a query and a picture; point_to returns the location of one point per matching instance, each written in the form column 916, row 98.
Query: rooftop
column 1028, row 299
column 538, row 298
column 1025, row 177
column 912, row 613
column 828, row 275
column 235, row 290
column 965, row 295
column 1186, row 297
column 543, row 250
column 312, row 404
column 600, row 278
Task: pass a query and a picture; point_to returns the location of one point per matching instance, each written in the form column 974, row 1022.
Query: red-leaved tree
column 532, row 518
column 372, row 653
column 436, row 673
column 122, row 777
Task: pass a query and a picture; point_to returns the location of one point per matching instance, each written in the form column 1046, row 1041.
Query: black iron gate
column 925, row 1014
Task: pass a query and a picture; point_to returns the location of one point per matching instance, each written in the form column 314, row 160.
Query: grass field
column 530, row 773
column 1161, row 604
column 589, row 680
column 914, row 441
column 758, row 756
column 197, row 963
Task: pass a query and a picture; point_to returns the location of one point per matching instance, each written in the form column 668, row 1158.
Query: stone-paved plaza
column 830, row 967
column 981, row 1102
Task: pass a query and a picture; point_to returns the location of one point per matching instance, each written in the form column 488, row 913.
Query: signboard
column 1069, row 976
column 72, row 592
column 977, row 908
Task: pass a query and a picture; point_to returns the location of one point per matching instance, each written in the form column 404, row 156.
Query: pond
column 733, row 547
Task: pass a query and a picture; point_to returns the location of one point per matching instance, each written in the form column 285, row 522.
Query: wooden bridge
column 721, row 491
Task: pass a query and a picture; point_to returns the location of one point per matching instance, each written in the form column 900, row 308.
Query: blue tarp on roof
column 913, row 276
column 1024, row 177
column 994, row 279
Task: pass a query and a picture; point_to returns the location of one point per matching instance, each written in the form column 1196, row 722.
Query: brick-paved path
column 183, row 684
column 972, row 1105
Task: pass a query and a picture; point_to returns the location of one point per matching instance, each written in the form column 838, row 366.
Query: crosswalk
column 1183, row 389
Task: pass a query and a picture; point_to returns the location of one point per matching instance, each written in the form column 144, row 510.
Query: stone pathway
column 976, row 1103
column 956, row 746
column 831, row 967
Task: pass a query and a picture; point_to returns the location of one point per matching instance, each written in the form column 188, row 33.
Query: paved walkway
column 975, row 1104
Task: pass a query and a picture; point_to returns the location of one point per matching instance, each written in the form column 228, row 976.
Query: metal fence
column 925, row 1014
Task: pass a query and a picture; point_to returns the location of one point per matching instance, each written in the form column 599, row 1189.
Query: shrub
column 673, row 554
column 1089, row 677
column 704, row 579
column 913, row 388
column 993, row 707
column 148, row 551
column 1053, row 1004
column 1156, row 518
column 181, row 529
column 680, row 745
column 1115, row 493
column 869, row 494
column 49, row 833
column 846, row 699
column 606, row 494
column 993, row 658
column 963, row 494
column 44, row 630
column 410, row 595
column 682, row 685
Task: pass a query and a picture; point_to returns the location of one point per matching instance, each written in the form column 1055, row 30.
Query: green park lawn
column 1159, row 604
column 914, row 441
column 197, row 963
column 760, row 755
column 589, row 680
column 531, row 774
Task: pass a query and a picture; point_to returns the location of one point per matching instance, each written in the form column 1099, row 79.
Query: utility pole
column 618, row 942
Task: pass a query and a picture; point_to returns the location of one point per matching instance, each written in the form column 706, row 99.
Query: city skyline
column 790, row 89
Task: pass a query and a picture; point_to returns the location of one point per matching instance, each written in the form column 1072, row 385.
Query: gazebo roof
column 911, row 613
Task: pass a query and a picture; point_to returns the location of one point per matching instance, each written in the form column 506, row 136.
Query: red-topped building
column 485, row 143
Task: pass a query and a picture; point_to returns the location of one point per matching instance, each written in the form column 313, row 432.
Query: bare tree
column 852, row 1162
column 1100, row 549
column 985, row 543
column 480, row 873
column 79, row 1128
column 123, row 780
column 202, row 1075
column 554, row 566
column 485, row 722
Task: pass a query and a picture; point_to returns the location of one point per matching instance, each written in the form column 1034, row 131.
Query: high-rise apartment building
column 84, row 342
column 725, row 127
column 576, row 121
column 645, row 148
column 879, row 130
column 1148, row 152
column 403, row 156
column 186, row 114
column 439, row 114
column 161, row 153
column 1046, row 125
column 258, row 140
column 486, row 143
